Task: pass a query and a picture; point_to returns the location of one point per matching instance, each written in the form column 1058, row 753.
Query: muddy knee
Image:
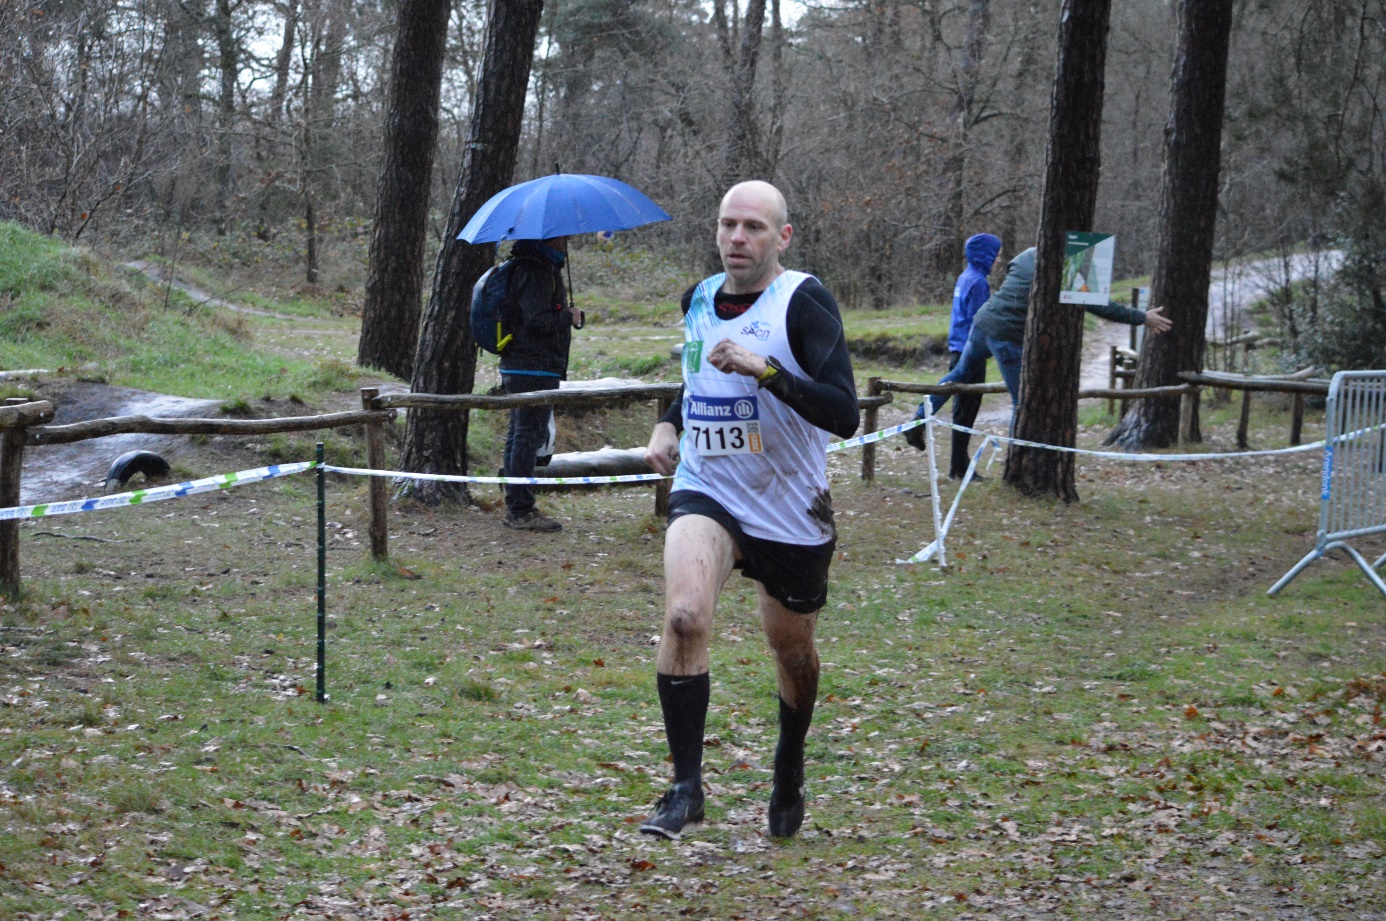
column 686, row 625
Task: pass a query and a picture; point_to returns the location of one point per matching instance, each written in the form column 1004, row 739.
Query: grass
column 1095, row 710
column 63, row 309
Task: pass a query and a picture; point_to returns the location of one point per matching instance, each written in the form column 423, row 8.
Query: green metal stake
column 322, row 580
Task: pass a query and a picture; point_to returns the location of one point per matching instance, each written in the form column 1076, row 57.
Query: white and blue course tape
column 514, row 480
column 875, row 436
column 1122, row 456
column 158, row 493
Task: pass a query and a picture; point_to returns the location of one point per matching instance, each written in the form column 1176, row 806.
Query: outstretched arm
column 1156, row 321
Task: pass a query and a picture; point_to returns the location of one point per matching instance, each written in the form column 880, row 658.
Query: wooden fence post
column 378, row 487
column 11, row 470
column 1297, row 420
column 868, row 452
column 1188, row 406
column 1112, row 379
column 661, row 490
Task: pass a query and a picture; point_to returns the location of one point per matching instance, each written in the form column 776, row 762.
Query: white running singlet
column 740, row 444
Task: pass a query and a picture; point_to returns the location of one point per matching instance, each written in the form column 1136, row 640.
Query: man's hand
column 575, row 316
column 1156, row 321
column 728, row 357
column 662, row 453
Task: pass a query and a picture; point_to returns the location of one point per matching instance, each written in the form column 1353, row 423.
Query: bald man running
column 766, row 379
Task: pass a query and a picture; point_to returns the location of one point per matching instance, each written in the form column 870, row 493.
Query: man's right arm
column 674, row 414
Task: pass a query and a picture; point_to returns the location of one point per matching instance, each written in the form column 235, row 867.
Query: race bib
column 724, row 425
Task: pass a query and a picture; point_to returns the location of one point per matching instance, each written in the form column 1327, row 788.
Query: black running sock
column 684, row 699
column 794, row 727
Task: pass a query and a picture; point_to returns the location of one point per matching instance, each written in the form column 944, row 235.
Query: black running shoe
column 915, row 438
column 787, row 807
column 681, row 804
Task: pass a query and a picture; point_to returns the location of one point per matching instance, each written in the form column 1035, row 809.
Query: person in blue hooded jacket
column 998, row 331
column 970, row 292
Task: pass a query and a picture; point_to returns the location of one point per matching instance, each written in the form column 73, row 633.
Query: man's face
column 750, row 240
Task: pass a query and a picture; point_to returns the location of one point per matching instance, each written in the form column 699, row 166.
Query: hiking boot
column 787, row 805
column 532, row 520
column 915, row 438
column 681, row 804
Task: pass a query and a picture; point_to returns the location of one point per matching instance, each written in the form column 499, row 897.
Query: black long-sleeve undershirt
column 813, row 325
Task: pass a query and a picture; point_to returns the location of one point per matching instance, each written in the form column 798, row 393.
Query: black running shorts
column 795, row 575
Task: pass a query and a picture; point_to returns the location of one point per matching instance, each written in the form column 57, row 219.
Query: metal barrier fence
column 1354, row 471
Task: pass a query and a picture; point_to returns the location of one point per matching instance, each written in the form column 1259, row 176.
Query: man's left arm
column 1153, row 320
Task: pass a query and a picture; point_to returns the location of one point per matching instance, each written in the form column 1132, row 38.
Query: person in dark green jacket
column 998, row 330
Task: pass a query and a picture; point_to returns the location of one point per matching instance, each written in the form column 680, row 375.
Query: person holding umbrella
column 535, row 359
column 540, row 215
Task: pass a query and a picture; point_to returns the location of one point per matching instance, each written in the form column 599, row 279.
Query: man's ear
column 786, row 232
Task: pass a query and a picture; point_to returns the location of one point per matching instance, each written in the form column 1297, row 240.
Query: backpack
column 493, row 321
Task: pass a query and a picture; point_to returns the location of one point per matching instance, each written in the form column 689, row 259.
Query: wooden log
column 378, row 487
column 1296, row 420
column 1093, row 393
column 1244, row 422
column 577, row 399
column 146, row 425
column 605, row 462
column 1253, row 384
column 1303, row 374
column 11, row 472
column 1188, row 406
column 868, row 452
column 20, row 413
column 947, row 389
column 1133, row 393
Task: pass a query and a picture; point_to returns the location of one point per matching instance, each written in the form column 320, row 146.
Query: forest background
column 895, row 128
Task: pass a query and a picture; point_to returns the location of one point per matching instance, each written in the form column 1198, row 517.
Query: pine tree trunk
column 224, row 175
column 394, row 280
column 436, row 442
column 1050, row 367
column 741, row 161
column 1188, row 220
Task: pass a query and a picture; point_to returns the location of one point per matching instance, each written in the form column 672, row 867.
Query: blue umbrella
column 560, row 205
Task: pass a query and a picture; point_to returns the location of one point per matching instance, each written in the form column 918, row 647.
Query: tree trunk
column 1188, row 219
column 228, row 61
column 740, row 161
column 948, row 252
column 1048, row 409
column 445, row 362
column 282, row 60
column 394, row 279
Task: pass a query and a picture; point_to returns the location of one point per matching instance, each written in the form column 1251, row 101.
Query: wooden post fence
column 379, row 487
column 15, row 416
column 869, row 424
